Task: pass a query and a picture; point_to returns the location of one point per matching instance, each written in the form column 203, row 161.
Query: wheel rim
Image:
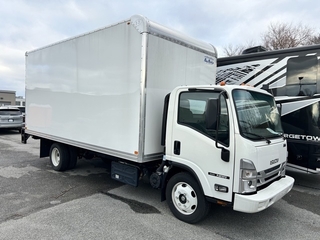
column 55, row 157
column 184, row 198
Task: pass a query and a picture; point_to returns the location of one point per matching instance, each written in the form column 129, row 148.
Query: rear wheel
column 59, row 156
column 186, row 199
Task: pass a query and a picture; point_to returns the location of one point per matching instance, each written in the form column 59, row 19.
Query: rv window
column 302, row 70
column 318, row 78
column 304, row 121
column 302, row 76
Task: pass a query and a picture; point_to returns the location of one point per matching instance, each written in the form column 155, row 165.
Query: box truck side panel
column 176, row 65
column 86, row 90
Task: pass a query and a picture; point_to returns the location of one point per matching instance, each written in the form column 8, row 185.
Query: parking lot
column 85, row 203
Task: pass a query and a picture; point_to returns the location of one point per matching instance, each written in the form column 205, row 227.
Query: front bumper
column 263, row 198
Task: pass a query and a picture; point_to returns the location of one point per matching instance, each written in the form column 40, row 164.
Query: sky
column 26, row 25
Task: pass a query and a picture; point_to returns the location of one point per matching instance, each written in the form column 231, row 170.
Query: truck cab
column 225, row 143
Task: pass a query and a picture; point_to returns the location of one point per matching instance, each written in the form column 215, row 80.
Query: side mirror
column 211, row 113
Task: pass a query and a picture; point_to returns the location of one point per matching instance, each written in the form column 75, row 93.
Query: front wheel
column 59, row 156
column 186, row 199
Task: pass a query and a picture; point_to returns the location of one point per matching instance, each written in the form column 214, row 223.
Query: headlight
column 248, row 176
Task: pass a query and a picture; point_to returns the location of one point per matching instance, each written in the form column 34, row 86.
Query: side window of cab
column 191, row 113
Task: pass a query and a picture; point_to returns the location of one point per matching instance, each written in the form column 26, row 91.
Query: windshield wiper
column 276, row 133
column 259, row 136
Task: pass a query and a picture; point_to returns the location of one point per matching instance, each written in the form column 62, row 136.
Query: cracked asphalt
column 85, row 203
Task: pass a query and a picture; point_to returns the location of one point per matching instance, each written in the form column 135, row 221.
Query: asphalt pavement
column 85, row 203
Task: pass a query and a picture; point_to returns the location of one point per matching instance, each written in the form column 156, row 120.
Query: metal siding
column 104, row 90
column 170, row 65
column 87, row 89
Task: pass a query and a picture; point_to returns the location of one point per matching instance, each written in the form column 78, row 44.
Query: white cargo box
column 104, row 90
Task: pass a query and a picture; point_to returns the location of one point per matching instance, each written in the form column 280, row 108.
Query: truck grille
column 268, row 175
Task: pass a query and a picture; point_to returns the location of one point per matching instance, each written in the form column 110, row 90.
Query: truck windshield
column 258, row 116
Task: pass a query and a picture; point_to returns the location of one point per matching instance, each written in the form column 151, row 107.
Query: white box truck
column 141, row 95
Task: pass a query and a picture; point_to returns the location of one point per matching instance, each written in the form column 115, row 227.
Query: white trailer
column 141, row 95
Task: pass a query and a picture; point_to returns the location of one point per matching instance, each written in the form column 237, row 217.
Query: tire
column 73, row 157
column 186, row 199
column 59, row 156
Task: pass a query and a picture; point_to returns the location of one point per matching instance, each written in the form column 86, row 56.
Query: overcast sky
column 29, row 24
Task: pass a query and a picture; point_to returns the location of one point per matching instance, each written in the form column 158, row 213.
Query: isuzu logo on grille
column 274, row 161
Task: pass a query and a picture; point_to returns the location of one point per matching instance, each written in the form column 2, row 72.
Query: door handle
column 225, row 155
column 176, row 147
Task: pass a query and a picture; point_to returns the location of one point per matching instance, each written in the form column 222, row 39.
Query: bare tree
column 283, row 35
column 279, row 36
column 314, row 40
column 232, row 50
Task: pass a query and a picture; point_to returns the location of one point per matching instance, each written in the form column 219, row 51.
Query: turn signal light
column 220, row 188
